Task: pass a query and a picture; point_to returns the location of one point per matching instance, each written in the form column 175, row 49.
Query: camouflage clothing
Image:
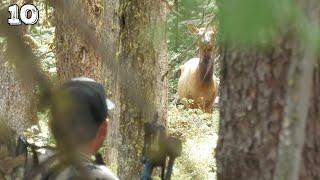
column 94, row 171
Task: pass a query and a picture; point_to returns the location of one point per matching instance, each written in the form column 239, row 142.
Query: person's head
column 79, row 114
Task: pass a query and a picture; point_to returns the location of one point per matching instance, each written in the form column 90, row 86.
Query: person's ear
column 103, row 129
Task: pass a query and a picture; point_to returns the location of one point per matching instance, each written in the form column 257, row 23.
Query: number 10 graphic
column 29, row 15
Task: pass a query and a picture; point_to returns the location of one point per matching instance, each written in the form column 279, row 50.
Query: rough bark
column 300, row 78
column 254, row 87
column 112, row 45
column 17, row 97
column 310, row 162
column 252, row 100
column 295, row 115
column 75, row 55
column 139, row 89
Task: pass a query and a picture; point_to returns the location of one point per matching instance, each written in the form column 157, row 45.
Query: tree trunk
column 300, row 83
column 76, row 55
column 17, row 97
column 310, row 162
column 255, row 89
column 139, row 85
column 252, row 99
column 112, row 48
column 135, row 60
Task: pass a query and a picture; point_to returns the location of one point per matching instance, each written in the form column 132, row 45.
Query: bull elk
column 197, row 81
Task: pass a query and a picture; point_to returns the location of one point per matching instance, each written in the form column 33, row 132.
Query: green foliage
column 247, row 20
column 43, row 35
column 252, row 22
column 197, row 12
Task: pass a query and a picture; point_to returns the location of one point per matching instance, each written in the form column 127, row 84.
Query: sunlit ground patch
column 198, row 132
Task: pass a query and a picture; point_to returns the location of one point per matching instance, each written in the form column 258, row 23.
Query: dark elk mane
column 206, row 67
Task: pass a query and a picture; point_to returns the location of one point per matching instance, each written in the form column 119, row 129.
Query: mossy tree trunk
column 17, row 97
column 139, row 84
column 134, row 49
column 76, row 55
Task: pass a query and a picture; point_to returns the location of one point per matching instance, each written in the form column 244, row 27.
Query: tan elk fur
column 197, row 81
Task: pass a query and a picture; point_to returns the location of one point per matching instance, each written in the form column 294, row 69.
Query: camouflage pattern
column 95, row 172
column 89, row 171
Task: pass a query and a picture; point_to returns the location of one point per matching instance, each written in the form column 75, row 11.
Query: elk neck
column 206, row 68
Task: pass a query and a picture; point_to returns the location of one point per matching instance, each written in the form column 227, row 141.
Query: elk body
column 197, row 81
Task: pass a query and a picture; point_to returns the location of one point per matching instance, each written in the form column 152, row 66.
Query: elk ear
column 192, row 29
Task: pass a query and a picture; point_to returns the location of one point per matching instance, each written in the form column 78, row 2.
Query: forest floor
column 199, row 134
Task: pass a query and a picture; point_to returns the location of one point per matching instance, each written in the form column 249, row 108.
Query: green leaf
column 247, row 21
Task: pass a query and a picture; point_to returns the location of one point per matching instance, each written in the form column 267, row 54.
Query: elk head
column 206, row 46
